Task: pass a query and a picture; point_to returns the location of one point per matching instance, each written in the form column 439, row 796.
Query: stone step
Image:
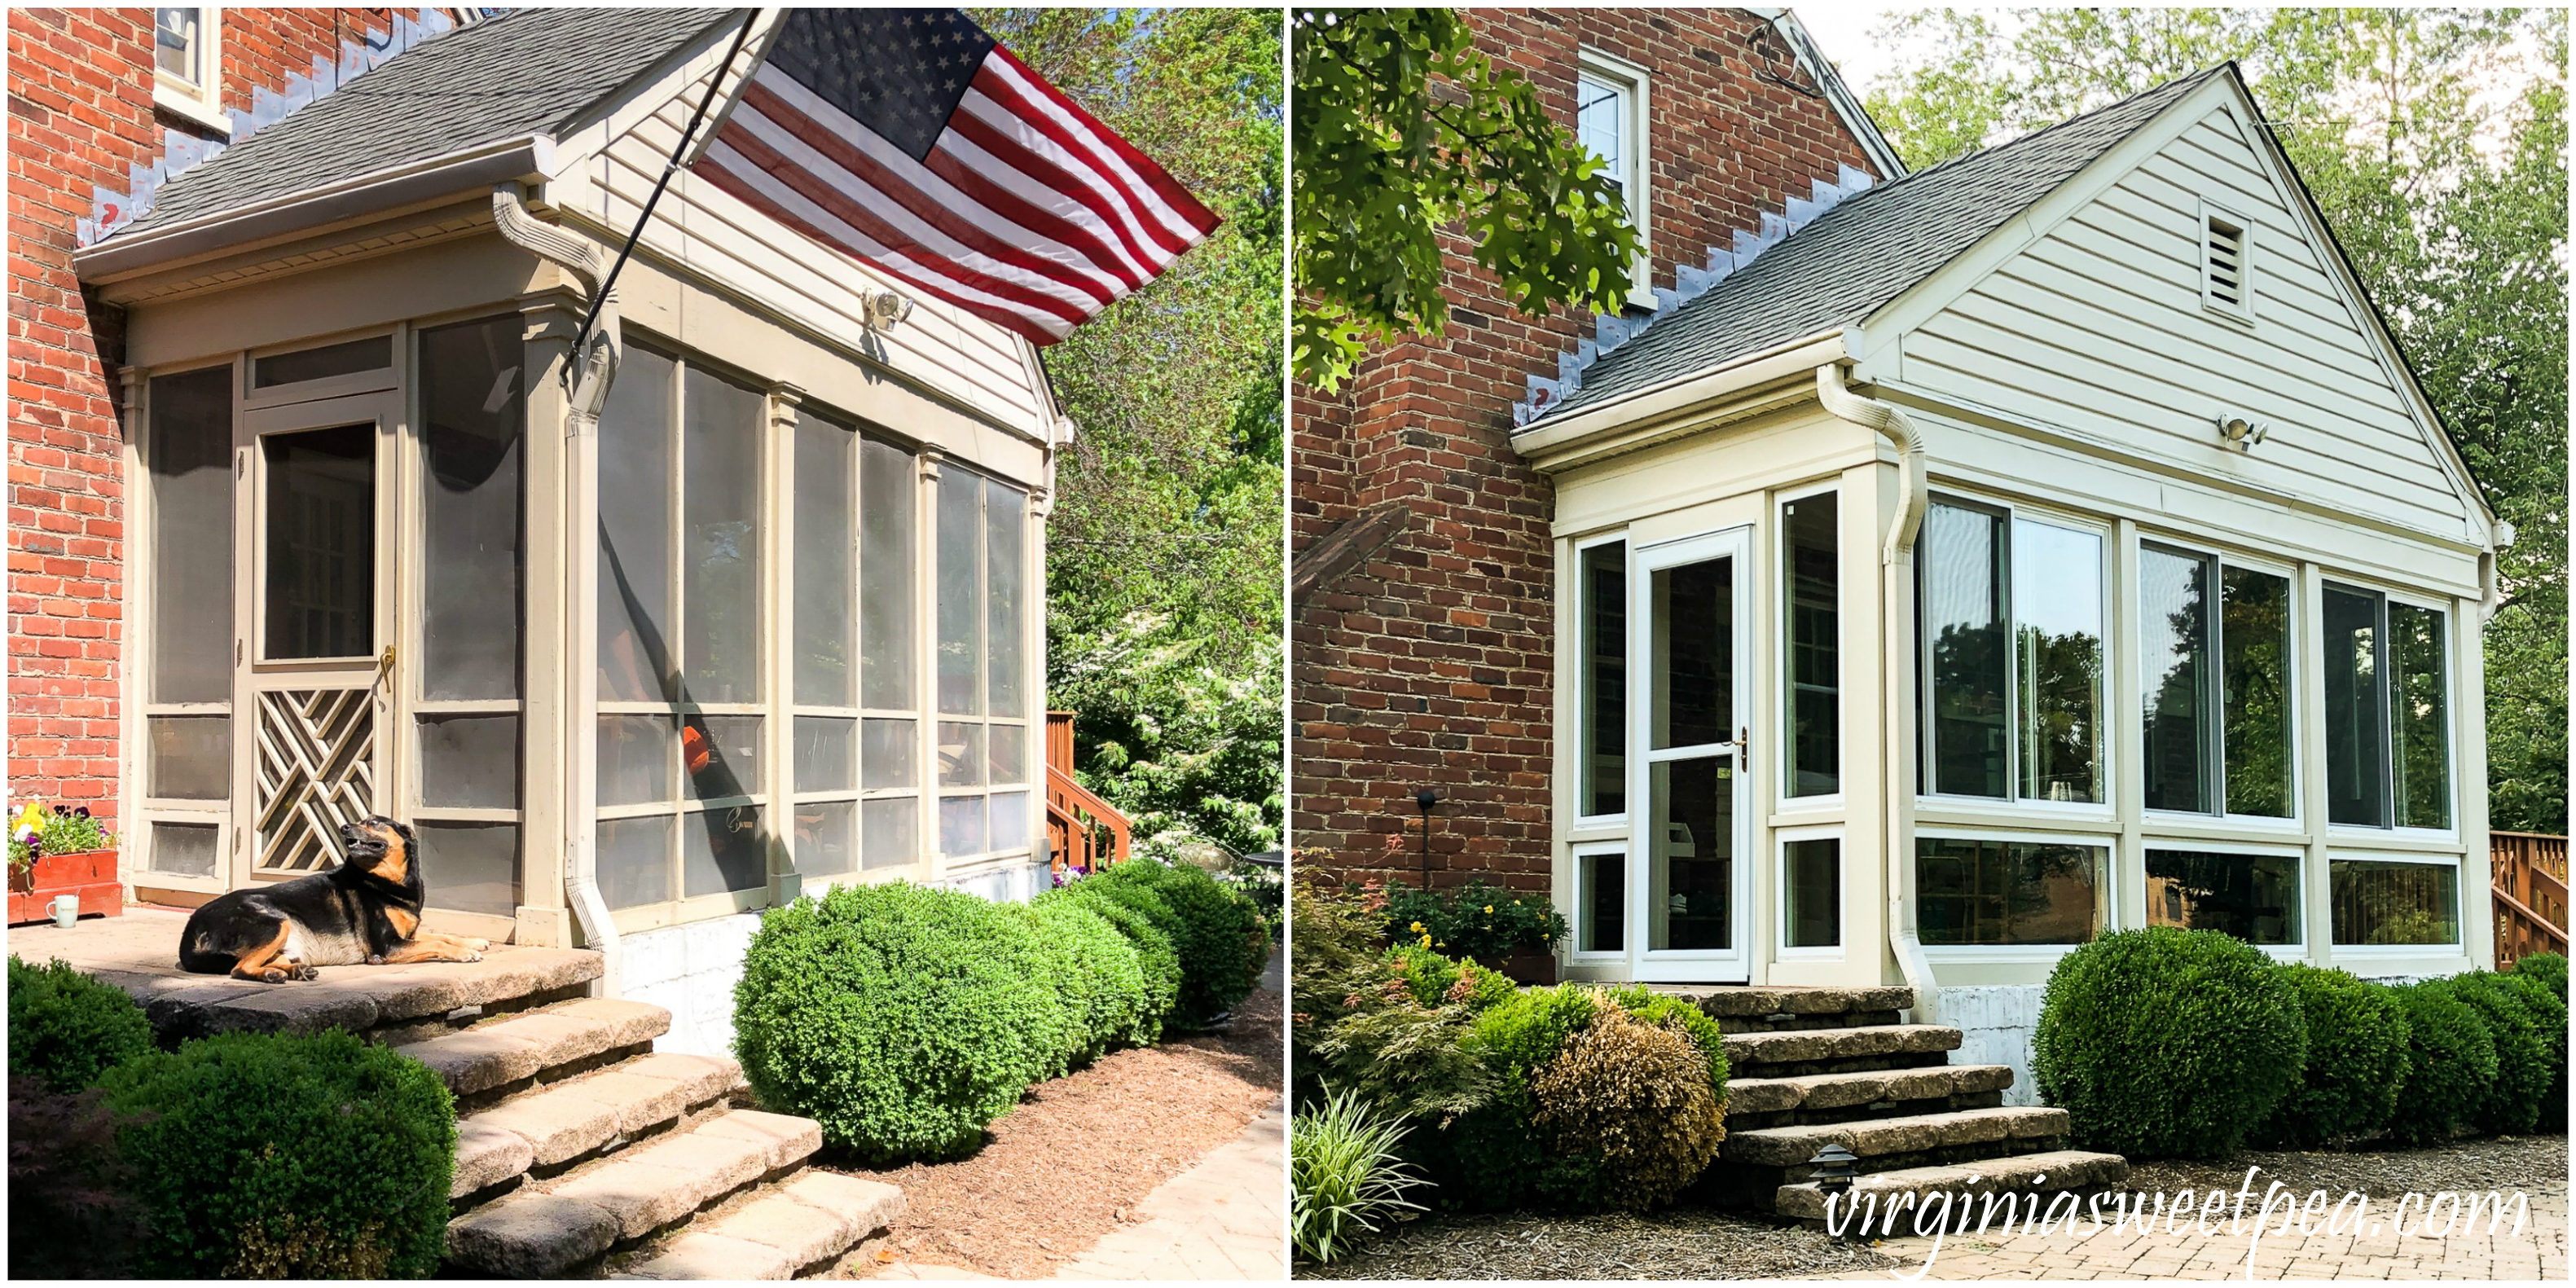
column 546, row 1129
column 1791, row 1147
column 546, row 1229
column 1816, row 1093
column 360, row 999
column 1728, row 1002
column 797, row 1225
column 502, row 1054
column 1812, row 1050
column 1900, row 1194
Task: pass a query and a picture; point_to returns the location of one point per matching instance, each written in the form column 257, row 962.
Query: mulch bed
column 2500, row 1163
column 1071, row 1162
column 1679, row 1243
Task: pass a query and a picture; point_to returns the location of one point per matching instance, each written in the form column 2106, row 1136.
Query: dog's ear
column 411, row 839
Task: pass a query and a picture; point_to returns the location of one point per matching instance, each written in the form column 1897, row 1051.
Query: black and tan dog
column 367, row 910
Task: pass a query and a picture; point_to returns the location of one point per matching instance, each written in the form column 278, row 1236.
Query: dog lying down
column 367, row 910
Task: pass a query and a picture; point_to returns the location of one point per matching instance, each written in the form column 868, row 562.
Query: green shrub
column 1158, row 968
column 1216, row 930
column 2549, row 1010
column 1100, row 972
column 2523, row 1074
column 1477, row 919
column 1663, row 1010
column 1344, row 1174
column 2356, row 1062
column 2166, row 1042
column 2548, row 969
column 1495, row 1157
column 66, row 1029
column 901, row 1018
column 2450, row 1064
column 315, row 1157
column 1525, row 1032
column 1632, row 1099
column 1406, row 1057
column 1436, row 979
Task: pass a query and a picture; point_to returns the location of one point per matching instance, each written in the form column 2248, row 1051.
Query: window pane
column 2173, row 636
column 1962, row 619
column 469, row 762
column 1811, row 875
column 190, row 455
column 1605, row 678
column 722, row 850
column 2419, row 717
column 827, row 838
column 175, row 43
column 961, row 825
column 2057, row 612
column 826, row 754
column 1998, row 892
column 825, row 457
column 2254, row 897
column 887, row 754
column 472, row 626
column 721, row 494
column 1005, row 510
column 637, row 757
column 192, row 757
column 349, row 357
column 1010, row 821
column 722, row 755
column 471, row 867
column 635, row 860
column 889, row 832
column 1694, row 653
column 635, row 522
column 1601, row 119
column 961, row 610
column 321, row 590
column 1814, row 645
column 1690, row 892
column 2356, row 712
column 185, row 849
column 961, row 754
column 1009, row 748
column 2395, row 903
column 1601, row 910
column 886, row 558
column 2254, row 670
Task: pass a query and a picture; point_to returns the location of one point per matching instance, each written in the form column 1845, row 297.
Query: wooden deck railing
column 1083, row 831
column 2529, row 881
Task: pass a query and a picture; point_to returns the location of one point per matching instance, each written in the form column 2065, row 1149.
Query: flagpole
column 705, row 101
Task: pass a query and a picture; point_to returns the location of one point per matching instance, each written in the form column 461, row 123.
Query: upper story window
column 1610, row 120
column 2388, row 751
column 187, row 65
column 2011, row 620
column 2226, row 262
column 2215, row 652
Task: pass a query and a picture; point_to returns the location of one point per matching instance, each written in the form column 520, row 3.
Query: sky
column 1843, row 30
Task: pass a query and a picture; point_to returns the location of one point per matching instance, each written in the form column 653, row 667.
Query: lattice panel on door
column 317, row 771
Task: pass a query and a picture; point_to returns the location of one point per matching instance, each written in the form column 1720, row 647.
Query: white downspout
column 1896, row 579
column 587, row 375
column 2491, row 595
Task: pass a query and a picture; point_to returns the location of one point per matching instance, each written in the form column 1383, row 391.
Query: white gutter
column 1896, row 686
column 1684, row 392
column 586, row 378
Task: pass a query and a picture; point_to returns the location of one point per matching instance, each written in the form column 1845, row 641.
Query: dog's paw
column 306, row 973
column 272, row 975
column 473, row 955
column 478, row 945
column 375, row 959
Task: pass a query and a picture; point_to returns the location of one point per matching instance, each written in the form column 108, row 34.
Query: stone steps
column 482, row 1063
column 782, row 1231
column 544, row 1131
column 392, row 1004
column 1797, row 1052
column 1876, row 1197
column 1791, row 1147
column 1775, row 1102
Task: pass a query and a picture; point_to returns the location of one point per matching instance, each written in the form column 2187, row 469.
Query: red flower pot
column 90, row 875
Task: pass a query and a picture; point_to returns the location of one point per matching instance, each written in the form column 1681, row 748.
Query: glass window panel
column 827, row 838
column 2356, row 708
column 635, row 860
column 1690, row 892
column 886, row 557
column 723, row 850
column 185, row 849
column 347, row 358
column 961, row 611
column 720, row 498
column 2419, row 717
column 2057, row 615
column 2173, row 636
column 1968, row 661
column 175, row 42
column 471, row 867
column 2254, row 897
column 722, row 755
column 1815, row 644
column 1601, row 118
column 1605, row 678
column 472, row 627
column 889, row 831
column 1005, row 510
column 1694, row 650
column 321, row 515
column 2254, row 703
column 2395, row 903
column 1811, row 874
column 826, row 456
column 1010, row 830
column 190, row 456
column 637, row 757
column 192, row 757
column 888, row 753
column 2000, row 892
column 826, row 754
column 635, row 520
column 1009, row 745
column 961, row 825
column 1601, row 913
column 469, row 762
column 961, row 754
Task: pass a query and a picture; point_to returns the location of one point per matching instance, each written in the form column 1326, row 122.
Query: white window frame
column 201, row 101
column 1637, row 167
column 2016, row 954
column 1781, row 839
column 1582, row 705
column 2297, row 625
column 2459, row 889
column 2295, row 951
column 2440, row 837
column 2242, row 311
column 1784, row 722
column 1575, row 953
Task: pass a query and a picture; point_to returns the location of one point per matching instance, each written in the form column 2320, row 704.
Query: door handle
column 1743, row 744
column 386, row 661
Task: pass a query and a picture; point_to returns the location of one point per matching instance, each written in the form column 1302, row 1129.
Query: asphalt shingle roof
column 1868, row 249
column 525, row 72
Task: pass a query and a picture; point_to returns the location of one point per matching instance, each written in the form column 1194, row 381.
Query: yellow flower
column 1489, row 910
column 1417, row 927
column 1426, row 941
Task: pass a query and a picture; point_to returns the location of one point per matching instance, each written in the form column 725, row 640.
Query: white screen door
column 1688, row 881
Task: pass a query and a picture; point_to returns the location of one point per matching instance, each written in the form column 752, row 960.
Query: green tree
column 2435, row 141
column 1405, row 133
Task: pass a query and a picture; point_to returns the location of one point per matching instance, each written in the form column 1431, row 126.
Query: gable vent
column 2226, row 281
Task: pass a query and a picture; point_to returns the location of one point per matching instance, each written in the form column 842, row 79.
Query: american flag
column 911, row 140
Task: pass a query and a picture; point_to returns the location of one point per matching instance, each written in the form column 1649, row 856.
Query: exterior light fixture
column 1426, row 799
column 886, row 310
column 1835, row 1169
column 2242, row 431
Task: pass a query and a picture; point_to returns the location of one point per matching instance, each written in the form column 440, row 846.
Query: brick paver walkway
column 2538, row 1252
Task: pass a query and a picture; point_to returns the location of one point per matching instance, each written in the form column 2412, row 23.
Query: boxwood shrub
column 67, row 1029
column 2523, row 1074
column 1216, row 929
column 2549, row 1009
column 1101, row 972
column 271, row 1156
column 1632, row 1101
column 1157, row 965
column 2450, row 1064
column 2356, row 1061
column 2549, row 969
column 2165, row 1042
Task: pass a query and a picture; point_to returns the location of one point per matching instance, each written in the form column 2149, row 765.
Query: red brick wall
column 80, row 113
column 1433, row 664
